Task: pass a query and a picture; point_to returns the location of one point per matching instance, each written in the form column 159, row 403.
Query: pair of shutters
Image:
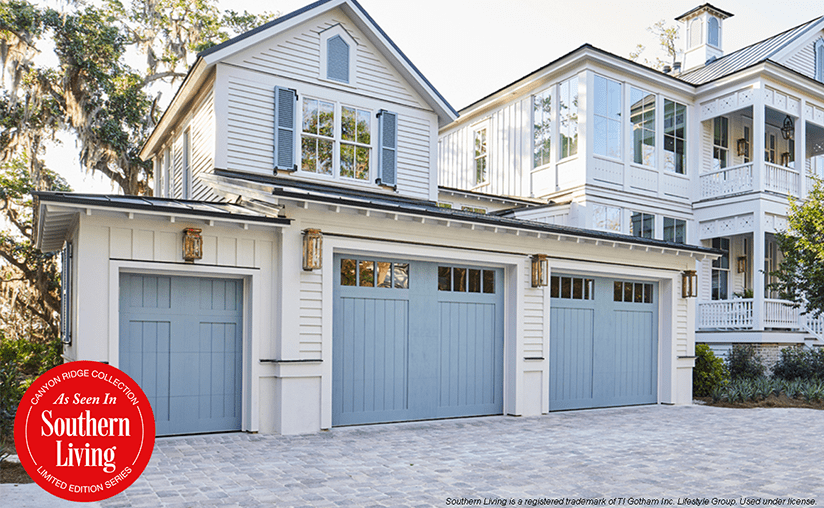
column 286, row 134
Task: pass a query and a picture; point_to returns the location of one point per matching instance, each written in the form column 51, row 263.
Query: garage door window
column 632, row 292
column 572, row 288
column 370, row 273
column 463, row 280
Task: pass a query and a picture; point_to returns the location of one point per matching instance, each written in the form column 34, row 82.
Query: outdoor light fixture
column 192, row 244
column 689, row 284
column 788, row 129
column 742, row 264
column 785, row 159
column 312, row 249
column 743, row 146
column 540, row 270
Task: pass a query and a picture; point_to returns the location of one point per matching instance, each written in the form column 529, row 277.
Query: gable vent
column 337, row 54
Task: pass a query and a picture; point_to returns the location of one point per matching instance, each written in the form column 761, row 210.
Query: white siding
column 203, row 147
column 414, row 157
column 311, row 305
column 803, row 60
column 534, row 318
column 250, row 128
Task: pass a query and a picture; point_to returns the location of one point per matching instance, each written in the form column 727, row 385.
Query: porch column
column 758, row 130
column 801, row 150
column 758, row 243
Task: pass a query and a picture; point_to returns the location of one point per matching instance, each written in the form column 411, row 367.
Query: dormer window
column 819, row 60
column 713, row 33
column 337, row 50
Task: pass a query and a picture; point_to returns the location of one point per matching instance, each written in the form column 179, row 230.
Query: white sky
column 470, row 48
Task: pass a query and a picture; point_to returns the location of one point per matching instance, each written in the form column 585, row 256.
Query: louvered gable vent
column 388, row 146
column 337, row 54
column 285, row 99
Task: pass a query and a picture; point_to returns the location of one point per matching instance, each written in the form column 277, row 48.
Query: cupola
column 702, row 35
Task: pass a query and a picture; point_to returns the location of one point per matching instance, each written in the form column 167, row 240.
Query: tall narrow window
column 769, row 147
column 819, row 60
column 675, row 230
column 720, row 143
column 607, row 117
column 642, row 225
column 186, row 176
column 356, row 139
column 721, row 269
column 713, row 33
column 568, row 116
column 675, row 137
column 542, row 128
column 318, row 136
column 642, row 117
column 480, row 156
column 746, row 144
column 167, row 172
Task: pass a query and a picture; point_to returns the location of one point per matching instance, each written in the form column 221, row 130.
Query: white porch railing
column 726, row 314
column 781, row 314
column 727, row 181
column 815, row 326
column 781, row 179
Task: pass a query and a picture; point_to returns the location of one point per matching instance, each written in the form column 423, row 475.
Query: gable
column 802, row 57
column 297, row 53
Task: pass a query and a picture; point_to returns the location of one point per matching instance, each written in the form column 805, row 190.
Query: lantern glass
column 312, row 249
column 192, row 244
column 540, row 270
column 689, row 284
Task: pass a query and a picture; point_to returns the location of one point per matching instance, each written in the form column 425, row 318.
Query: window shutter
column 65, row 294
column 819, row 60
column 337, row 59
column 285, row 99
column 388, row 147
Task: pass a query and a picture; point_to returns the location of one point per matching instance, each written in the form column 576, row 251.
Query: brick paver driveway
column 617, row 457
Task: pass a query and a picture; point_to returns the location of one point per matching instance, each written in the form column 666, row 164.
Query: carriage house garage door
column 603, row 342
column 415, row 340
column 181, row 340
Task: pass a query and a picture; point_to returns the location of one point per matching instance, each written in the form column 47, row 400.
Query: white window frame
column 552, row 122
column 675, row 225
column 717, row 32
column 725, row 162
column 327, row 34
column 609, row 120
column 337, row 141
column 644, row 215
column 605, row 209
column 166, row 181
column 675, row 136
column 562, row 156
column 186, row 165
column 654, row 128
column 483, row 126
column 716, row 268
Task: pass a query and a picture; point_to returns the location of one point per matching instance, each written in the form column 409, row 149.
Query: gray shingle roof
column 745, row 57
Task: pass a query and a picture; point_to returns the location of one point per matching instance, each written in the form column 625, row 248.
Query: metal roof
column 746, row 57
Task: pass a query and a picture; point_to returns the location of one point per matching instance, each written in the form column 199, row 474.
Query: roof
column 748, row 56
column 389, row 203
column 721, row 13
column 56, row 212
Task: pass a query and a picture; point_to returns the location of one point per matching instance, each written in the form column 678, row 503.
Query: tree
column 800, row 275
column 667, row 37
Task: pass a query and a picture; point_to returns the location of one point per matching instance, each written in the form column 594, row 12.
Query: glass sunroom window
column 568, row 116
column 607, row 117
column 541, row 128
column 642, row 118
column 675, row 136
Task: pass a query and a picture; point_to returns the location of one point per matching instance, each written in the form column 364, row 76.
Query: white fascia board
column 187, row 89
column 798, row 41
column 785, row 77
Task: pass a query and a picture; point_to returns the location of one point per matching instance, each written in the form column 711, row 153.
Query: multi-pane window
column 572, row 288
column 568, row 116
column 675, row 136
column 356, row 139
column 720, row 142
column 318, row 136
column 746, row 144
column 607, row 218
column 371, row 273
column 465, row 280
column 642, row 225
column 480, row 156
column 632, row 292
column 642, row 118
column 675, row 230
column 607, row 117
column 541, row 128
column 721, row 269
column 769, row 147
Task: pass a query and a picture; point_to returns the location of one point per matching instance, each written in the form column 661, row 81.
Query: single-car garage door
column 415, row 340
column 603, row 342
column 181, row 340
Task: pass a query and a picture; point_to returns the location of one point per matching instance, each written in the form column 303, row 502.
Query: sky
column 468, row 49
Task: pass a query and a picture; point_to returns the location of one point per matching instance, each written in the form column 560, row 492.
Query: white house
column 705, row 153
column 317, row 257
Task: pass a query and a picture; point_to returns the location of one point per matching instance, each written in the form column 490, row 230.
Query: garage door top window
column 465, row 280
column 371, row 273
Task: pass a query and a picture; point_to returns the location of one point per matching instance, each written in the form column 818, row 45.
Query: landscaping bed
column 772, row 401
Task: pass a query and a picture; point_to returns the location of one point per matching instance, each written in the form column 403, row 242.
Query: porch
column 757, row 314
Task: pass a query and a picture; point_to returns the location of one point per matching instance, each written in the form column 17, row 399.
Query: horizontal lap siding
column 803, row 61
column 310, row 315
column 414, row 158
column 203, row 147
column 534, row 319
column 250, row 129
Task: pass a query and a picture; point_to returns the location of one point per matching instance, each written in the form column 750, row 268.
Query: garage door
column 603, row 342
column 181, row 340
column 415, row 341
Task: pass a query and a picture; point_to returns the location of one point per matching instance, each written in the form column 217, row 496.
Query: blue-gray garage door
column 181, row 340
column 603, row 342
column 415, row 340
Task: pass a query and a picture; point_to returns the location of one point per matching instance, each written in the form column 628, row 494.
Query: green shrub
column 709, row 371
column 743, row 363
column 797, row 363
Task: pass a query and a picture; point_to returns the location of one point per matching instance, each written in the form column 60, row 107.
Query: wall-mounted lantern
column 540, row 270
column 743, row 147
column 786, row 158
column 788, row 129
column 689, row 284
column 312, row 249
column 192, row 244
column 742, row 264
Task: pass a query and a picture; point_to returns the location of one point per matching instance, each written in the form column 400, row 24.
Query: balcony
column 727, row 181
column 782, row 180
column 737, row 314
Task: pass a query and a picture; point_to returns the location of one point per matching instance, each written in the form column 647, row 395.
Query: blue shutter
column 388, row 148
column 285, row 99
column 65, row 294
column 337, row 59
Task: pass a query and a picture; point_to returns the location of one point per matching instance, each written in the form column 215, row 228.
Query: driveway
column 623, row 456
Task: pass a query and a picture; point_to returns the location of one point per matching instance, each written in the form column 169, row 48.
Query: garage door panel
column 635, row 373
column 571, row 356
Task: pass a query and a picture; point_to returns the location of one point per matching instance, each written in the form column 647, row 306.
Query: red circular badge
column 84, row 431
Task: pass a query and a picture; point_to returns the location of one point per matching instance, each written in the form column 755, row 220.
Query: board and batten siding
column 803, row 60
column 296, row 54
column 509, row 143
